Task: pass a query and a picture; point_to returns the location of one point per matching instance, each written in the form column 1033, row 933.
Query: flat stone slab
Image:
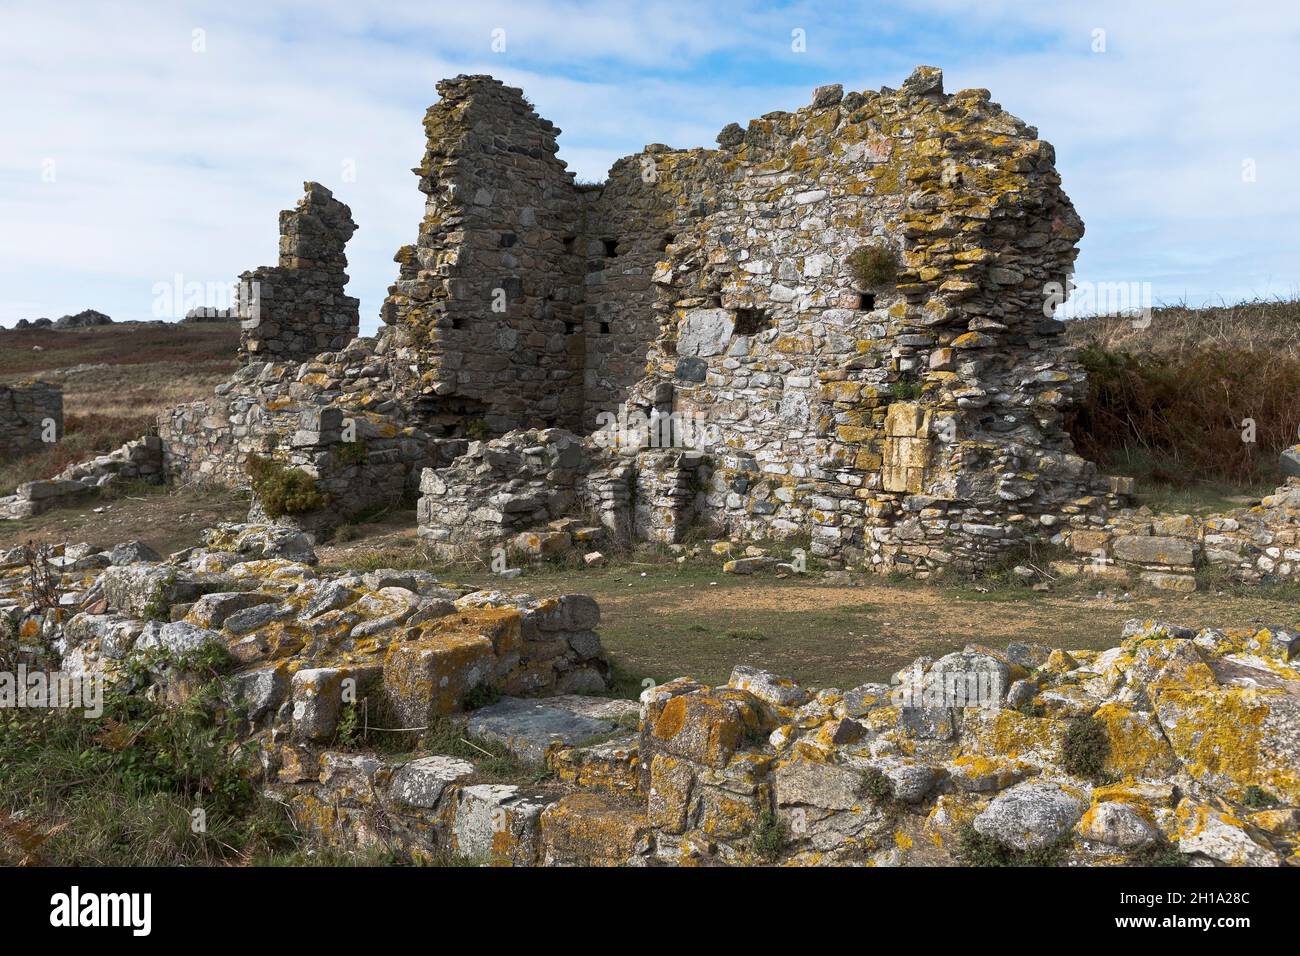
column 527, row 728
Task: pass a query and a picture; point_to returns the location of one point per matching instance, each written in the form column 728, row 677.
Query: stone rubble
column 1201, row 728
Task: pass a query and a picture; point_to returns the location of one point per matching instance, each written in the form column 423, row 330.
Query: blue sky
column 131, row 157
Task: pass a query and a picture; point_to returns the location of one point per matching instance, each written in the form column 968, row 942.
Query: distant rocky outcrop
column 85, row 319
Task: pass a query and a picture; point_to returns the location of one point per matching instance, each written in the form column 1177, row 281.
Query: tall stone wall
column 30, row 413
column 485, row 309
column 914, row 422
column 297, row 309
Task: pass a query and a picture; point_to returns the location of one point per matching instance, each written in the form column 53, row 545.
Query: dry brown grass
column 1257, row 326
column 1169, row 403
column 116, row 379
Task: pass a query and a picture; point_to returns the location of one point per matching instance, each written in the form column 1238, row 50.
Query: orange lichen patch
column 428, row 676
column 1141, row 796
column 706, row 727
column 1220, row 736
column 591, row 829
column 1137, row 747
column 502, row 626
column 611, row 767
column 1011, row 734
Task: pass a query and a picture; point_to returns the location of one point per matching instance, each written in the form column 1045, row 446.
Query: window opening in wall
column 568, row 243
column 457, row 322
column 604, row 328
column 866, row 300
column 752, row 321
column 507, row 239
column 611, row 248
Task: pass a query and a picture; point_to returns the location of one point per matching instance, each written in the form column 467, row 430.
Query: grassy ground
column 661, row 619
column 116, row 379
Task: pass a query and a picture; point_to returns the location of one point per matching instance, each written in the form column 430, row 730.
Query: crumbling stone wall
column 30, row 412
column 909, row 425
column 906, row 426
column 298, row 308
column 484, row 309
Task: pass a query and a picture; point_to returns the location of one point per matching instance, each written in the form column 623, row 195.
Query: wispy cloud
column 165, row 160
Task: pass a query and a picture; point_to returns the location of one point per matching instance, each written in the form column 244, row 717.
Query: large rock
column 1154, row 549
column 1210, row 832
column 1116, row 824
column 422, row 782
column 1030, row 816
column 499, row 823
column 528, row 729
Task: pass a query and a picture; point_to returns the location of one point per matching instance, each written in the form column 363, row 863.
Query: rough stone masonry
column 901, row 418
column 31, row 415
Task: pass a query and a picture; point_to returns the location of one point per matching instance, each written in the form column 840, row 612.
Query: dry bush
column 84, row 437
column 1179, row 417
column 1258, row 326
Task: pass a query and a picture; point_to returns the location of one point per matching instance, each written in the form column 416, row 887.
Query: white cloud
column 169, row 161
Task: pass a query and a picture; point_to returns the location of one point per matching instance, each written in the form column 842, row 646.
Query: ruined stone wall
column 299, row 308
column 909, row 421
column 29, row 413
column 915, row 422
column 338, row 417
column 628, row 226
column 484, row 310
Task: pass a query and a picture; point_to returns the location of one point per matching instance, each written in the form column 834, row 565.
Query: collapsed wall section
column 298, row 308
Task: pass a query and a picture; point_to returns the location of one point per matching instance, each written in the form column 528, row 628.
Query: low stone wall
column 139, row 460
column 31, row 417
column 1255, row 544
column 336, row 417
column 970, row 754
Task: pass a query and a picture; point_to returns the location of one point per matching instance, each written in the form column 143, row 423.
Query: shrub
column 905, row 390
column 873, row 267
column 877, row 785
column 1178, row 417
column 1085, row 748
column 975, row 849
column 284, row 491
column 769, row 837
column 352, row 452
column 1258, row 798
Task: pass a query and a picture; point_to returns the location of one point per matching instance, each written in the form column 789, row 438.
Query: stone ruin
column 689, row 345
column 1198, row 756
column 691, row 338
column 298, row 308
column 31, row 415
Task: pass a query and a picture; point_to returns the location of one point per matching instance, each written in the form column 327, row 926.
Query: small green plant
column 1257, row 798
column 769, row 837
column 905, row 390
column 477, row 429
column 158, row 608
column 284, row 491
column 1158, row 853
column 480, row 696
column 873, row 267
column 1085, row 748
column 876, row 784
column 975, row 849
